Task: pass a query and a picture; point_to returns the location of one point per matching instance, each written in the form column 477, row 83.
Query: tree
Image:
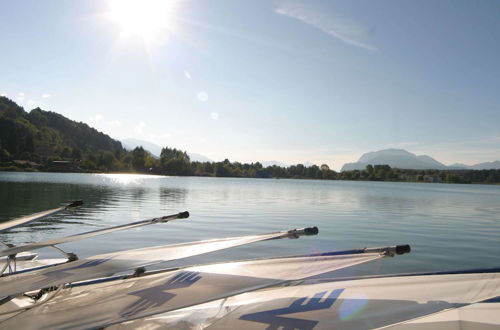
column 222, row 169
column 29, row 143
column 138, row 158
column 76, row 153
column 369, row 169
column 4, row 155
column 66, row 153
column 174, row 162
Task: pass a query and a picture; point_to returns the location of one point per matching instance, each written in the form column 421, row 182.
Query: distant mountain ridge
column 267, row 163
column 155, row 150
column 479, row 166
column 400, row 158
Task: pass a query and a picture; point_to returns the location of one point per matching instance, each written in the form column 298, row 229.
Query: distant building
column 64, row 165
column 432, row 178
column 25, row 163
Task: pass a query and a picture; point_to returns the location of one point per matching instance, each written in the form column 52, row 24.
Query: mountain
column 487, row 166
column 131, row 144
column 480, row 166
column 396, row 158
column 459, row 166
column 399, row 158
column 199, row 158
column 155, row 150
column 432, row 162
column 44, row 136
column 268, row 163
column 308, row 164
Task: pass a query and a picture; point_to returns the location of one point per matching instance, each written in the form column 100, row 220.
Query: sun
column 148, row 19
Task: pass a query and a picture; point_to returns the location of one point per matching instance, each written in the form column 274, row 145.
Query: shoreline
column 32, row 170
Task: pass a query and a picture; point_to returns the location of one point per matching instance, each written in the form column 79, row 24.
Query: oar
column 36, row 216
column 38, row 245
column 111, row 263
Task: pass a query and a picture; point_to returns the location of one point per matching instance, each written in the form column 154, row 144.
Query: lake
column 448, row 226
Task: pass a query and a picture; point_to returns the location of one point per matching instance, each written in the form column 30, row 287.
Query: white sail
column 477, row 316
column 451, row 302
column 112, row 263
column 111, row 302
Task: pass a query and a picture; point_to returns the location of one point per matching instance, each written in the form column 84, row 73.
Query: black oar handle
column 183, row 215
column 402, row 249
column 75, row 204
column 296, row 233
column 311, row 231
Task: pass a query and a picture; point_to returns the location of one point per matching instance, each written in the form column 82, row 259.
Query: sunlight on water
column 126, row 179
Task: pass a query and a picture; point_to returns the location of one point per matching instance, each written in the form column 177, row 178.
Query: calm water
column 448, row 226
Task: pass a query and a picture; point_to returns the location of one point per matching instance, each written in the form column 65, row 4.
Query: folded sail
column 101, row 304
column 455, row 301
column 112, row 263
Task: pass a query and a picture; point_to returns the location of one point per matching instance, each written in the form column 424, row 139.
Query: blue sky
column 292, row 81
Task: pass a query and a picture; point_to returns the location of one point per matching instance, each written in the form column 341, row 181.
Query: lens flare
column 352, row 306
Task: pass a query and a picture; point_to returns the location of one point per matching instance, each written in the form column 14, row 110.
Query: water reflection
column 170, row 196
column 438, row 220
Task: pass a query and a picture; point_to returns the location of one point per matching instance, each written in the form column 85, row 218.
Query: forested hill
column 44, row 136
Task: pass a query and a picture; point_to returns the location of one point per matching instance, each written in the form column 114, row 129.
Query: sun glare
column 148, row 19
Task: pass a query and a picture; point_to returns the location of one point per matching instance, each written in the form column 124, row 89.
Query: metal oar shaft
column 388, row 251
column 38, row 245
column 36, row 216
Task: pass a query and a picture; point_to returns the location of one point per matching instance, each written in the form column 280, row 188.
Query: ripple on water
column 448, row 226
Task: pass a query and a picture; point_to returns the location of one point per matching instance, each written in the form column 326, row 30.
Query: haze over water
column 448, row 226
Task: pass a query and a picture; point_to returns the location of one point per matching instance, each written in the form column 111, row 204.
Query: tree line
column 46, row 141
column 176, row 162
column 386, row 173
